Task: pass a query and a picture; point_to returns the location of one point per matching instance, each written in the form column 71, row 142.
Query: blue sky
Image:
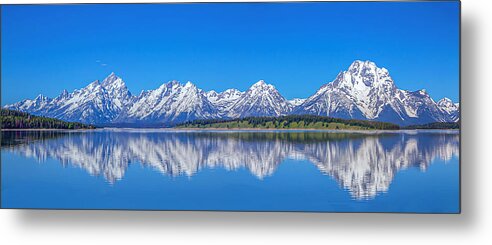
column 296, row 46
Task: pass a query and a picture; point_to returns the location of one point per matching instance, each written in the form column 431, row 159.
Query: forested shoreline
column 11, row 119
column 290, row 122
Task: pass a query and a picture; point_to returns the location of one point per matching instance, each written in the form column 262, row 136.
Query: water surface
column 401, row 171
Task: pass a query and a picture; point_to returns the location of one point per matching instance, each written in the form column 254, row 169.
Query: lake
column 316, row 171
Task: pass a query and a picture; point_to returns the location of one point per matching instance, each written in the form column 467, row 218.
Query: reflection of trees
column 364, row 164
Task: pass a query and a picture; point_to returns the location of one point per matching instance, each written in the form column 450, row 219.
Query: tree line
column 436, row 125
column 11, row 119
column 289, row 122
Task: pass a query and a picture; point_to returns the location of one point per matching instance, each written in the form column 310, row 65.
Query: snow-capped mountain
column 261, row 99
column 453, row 109
column 223, row 101
column 364, row 91
column 35, row 106
column 97, row 103
column 171, row 102
column 296, row 101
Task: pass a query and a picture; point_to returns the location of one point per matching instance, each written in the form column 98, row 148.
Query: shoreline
column 280, row 129
column 44, row 129
column 361, row 131
column 316, row 129
column 233, row 130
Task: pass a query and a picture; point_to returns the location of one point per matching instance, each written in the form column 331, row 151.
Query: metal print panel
column 305, row 106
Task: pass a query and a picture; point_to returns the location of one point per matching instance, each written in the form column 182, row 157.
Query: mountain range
column 364, row 91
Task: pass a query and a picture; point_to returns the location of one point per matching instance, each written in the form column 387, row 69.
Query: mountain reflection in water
column 362, row 163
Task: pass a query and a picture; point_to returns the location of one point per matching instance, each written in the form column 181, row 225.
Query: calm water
column 267, row 171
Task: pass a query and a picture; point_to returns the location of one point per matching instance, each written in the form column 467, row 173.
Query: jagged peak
column 420, row 92
column 228, row 93
column 445, row 100
column 231, row 90
column 261, row 85
column 41, row 97
column 363, row 67
column 384, row 70
column 111, row 77
column 361, row 75
column 447, row 103
column 261, row 82
column 297, row 101
column 112, row 80
column 64, row 94
column 189, row 84
column 211, row 92
column 176, row 83
column 358, row 64
column 93, row 84
column 172, row 83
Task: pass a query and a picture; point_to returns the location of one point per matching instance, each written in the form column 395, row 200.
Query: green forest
column 20, row 120
column 436, row 125
column 290, row 122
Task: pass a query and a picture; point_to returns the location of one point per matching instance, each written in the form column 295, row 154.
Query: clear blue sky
column 296, row 46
